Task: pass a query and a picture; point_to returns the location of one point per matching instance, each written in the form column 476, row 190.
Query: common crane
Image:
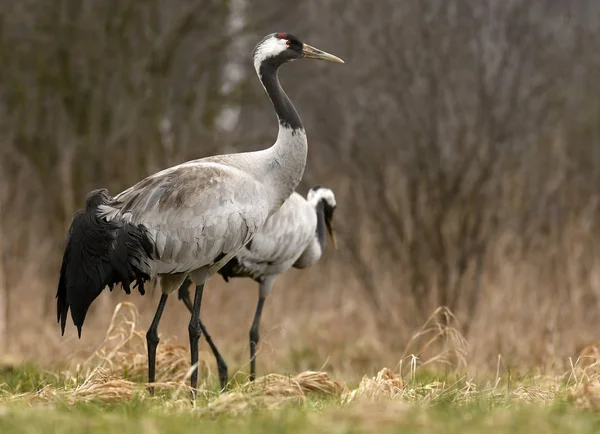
column 189, row 219
column 294, row 236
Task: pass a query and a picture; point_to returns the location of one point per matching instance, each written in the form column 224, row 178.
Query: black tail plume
column 99, row 253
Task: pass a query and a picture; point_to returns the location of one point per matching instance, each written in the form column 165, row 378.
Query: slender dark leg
column 221, row 365
column 184, row 295
column 195, row 331
column 254, row 336
column 152, row 341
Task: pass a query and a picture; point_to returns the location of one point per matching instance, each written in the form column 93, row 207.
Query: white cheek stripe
column 269, row 48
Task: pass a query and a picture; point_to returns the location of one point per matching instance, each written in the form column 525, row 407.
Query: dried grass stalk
column 438, row 342
column 124, row 351
column 272, row 391
column 385, row 385
column 300, row 385
column 102, row 386
column 587, row 394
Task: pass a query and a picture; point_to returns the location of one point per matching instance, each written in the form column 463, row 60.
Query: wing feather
column 195, row 212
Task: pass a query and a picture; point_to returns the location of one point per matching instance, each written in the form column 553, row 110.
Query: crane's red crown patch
column 281, row 35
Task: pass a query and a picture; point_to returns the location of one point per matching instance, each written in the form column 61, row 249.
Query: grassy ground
column 151, row 418
column 107, row 392
column 35, row 401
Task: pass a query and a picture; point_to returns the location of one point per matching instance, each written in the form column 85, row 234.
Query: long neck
column 320, row 210
column 286, row 112
column 287, row 157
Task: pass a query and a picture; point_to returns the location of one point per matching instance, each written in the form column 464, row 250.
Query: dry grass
column 384, row 385
column 123, row 354
column 585, row 377
column 432, row 373
column 102, row 377
column 438, row 342
column 98, row 387
column 124, row 351
column 416, row 395
column 273, row 391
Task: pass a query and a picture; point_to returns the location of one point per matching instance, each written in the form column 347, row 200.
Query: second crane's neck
column 287, row 157
column 321, row 226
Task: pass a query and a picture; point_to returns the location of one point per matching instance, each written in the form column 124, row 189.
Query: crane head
column 324, row 195
column 278, row 48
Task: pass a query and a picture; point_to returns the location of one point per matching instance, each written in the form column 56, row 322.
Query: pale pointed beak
column 331, row 233
column 314, row 53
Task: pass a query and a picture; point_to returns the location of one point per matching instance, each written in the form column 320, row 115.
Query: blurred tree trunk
column 234, row 72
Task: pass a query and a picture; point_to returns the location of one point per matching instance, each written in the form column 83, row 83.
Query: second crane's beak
column 331, row 233
column 314, row 53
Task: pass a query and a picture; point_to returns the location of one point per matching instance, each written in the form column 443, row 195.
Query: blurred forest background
column 461, row 137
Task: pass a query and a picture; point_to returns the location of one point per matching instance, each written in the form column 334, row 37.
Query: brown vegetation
column 106, row 378
column 462, row 140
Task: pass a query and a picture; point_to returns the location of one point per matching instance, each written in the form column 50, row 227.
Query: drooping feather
column 99, row 253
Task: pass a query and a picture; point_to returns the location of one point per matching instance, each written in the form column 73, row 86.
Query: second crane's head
column 278, row 48
column 323, row 199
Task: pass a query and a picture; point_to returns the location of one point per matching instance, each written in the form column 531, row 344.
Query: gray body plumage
column 200, row 213
column 288, row 239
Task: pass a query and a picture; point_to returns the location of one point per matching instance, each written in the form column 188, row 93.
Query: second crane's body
column 294, row 236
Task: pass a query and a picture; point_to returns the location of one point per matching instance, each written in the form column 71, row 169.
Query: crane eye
column 288, row 43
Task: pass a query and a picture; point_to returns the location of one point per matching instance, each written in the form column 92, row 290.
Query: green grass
column 523, row 406
column 150, row 417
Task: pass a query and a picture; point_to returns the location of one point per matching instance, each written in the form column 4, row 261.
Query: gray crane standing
column 189, row 219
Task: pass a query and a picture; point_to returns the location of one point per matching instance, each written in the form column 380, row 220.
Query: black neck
column 320, row 210
column 287, row 114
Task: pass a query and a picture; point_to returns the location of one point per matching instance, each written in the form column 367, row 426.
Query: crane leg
column 184, row 295
column 152, row 342
column 221, row 365
column 195, row 331
column 254, row 337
